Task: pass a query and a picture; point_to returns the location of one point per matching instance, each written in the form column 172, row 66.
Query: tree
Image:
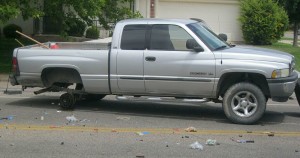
column 65, row 12
column 263, row 22
column 292, row 8
column 116, row 10
column 10, row 9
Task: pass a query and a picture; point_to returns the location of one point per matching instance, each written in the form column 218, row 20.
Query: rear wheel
column 244, row 103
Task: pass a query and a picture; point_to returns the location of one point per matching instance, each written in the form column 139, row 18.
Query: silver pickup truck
column 165, row 58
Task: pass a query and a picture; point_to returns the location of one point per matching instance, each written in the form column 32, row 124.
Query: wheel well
column 60, row 76
column 229, row 79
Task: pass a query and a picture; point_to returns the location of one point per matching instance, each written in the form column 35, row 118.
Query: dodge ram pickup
column 180, row 58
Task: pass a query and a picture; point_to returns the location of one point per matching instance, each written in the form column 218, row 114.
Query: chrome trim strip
column 190, row 79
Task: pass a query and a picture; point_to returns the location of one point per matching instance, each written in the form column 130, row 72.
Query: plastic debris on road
column 197, row 146
column 142, row 133
column 42, row 118
column 10, row 117
column 211, row 142
column 242, row 140
column 84, row 120
column 72, row 118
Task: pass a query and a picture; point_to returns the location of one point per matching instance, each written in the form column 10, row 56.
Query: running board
column 160, row 99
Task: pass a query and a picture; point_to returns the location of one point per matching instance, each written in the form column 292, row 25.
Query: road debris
column 58, row 111
column 211, row 142
column 62, row 143
column 72, row 118
column 197, row 146
column 185, row 137
column 142, row 133
column 191, row 129
column 42, row 118
column 123, row 118
column 84, row 120
column 242, row 140
column 270, row 134
column 10, row 117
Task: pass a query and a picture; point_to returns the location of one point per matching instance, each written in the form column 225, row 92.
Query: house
column 220, row 15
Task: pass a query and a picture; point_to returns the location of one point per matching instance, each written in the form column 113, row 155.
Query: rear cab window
column 134, row 37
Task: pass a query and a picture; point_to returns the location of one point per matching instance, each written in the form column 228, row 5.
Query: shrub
column 75, row 27
column 9, row 31
column 92, row 32
column 263, row 21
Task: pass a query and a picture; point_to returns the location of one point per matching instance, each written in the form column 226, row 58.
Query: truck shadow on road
column 174, row 110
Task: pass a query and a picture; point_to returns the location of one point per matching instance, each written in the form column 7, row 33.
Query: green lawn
column 6, row 49
column 289, row 49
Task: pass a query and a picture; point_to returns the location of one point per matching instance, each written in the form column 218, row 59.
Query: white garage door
column 220, row 15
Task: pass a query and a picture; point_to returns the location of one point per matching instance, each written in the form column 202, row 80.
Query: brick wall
column 152, row 8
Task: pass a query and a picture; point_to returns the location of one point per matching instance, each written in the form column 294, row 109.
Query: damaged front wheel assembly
column 67, row 101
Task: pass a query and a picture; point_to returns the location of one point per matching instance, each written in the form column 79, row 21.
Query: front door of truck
column 171, row 68
column 130, row 59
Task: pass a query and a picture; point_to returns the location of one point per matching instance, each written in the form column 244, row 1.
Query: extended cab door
column 129, row 59
column 171, row 68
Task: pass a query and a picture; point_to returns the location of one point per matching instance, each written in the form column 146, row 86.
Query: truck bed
column 90, row 60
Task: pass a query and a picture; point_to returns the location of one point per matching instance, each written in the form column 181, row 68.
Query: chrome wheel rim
column 244, row 104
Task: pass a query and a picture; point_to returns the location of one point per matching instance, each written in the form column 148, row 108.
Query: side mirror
column 223, row 36
column 192, row 44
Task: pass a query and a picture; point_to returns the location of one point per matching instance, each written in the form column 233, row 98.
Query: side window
column 134, row 37
column 169, row 37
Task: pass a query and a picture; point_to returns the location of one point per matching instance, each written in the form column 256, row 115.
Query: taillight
column 15, row 68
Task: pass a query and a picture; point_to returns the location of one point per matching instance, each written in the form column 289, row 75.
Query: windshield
column 212, row 40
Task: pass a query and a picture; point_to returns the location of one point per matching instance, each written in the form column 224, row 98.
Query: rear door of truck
column 129, row 60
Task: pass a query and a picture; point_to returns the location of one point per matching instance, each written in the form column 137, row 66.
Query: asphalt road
column 37, row 127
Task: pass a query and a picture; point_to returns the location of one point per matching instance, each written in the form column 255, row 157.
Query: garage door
column 220, row 15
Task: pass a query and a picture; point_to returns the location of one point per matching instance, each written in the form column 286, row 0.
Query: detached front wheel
column 67, row 101
column 244, row 103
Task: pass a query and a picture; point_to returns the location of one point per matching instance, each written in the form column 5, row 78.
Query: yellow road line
column 134, row 130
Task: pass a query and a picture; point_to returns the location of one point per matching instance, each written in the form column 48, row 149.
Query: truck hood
column 254, row 53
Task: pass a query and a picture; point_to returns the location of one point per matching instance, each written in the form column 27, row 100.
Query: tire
column 67, row 101
column 94, row 97
column 244, row 103
column 297, row 92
